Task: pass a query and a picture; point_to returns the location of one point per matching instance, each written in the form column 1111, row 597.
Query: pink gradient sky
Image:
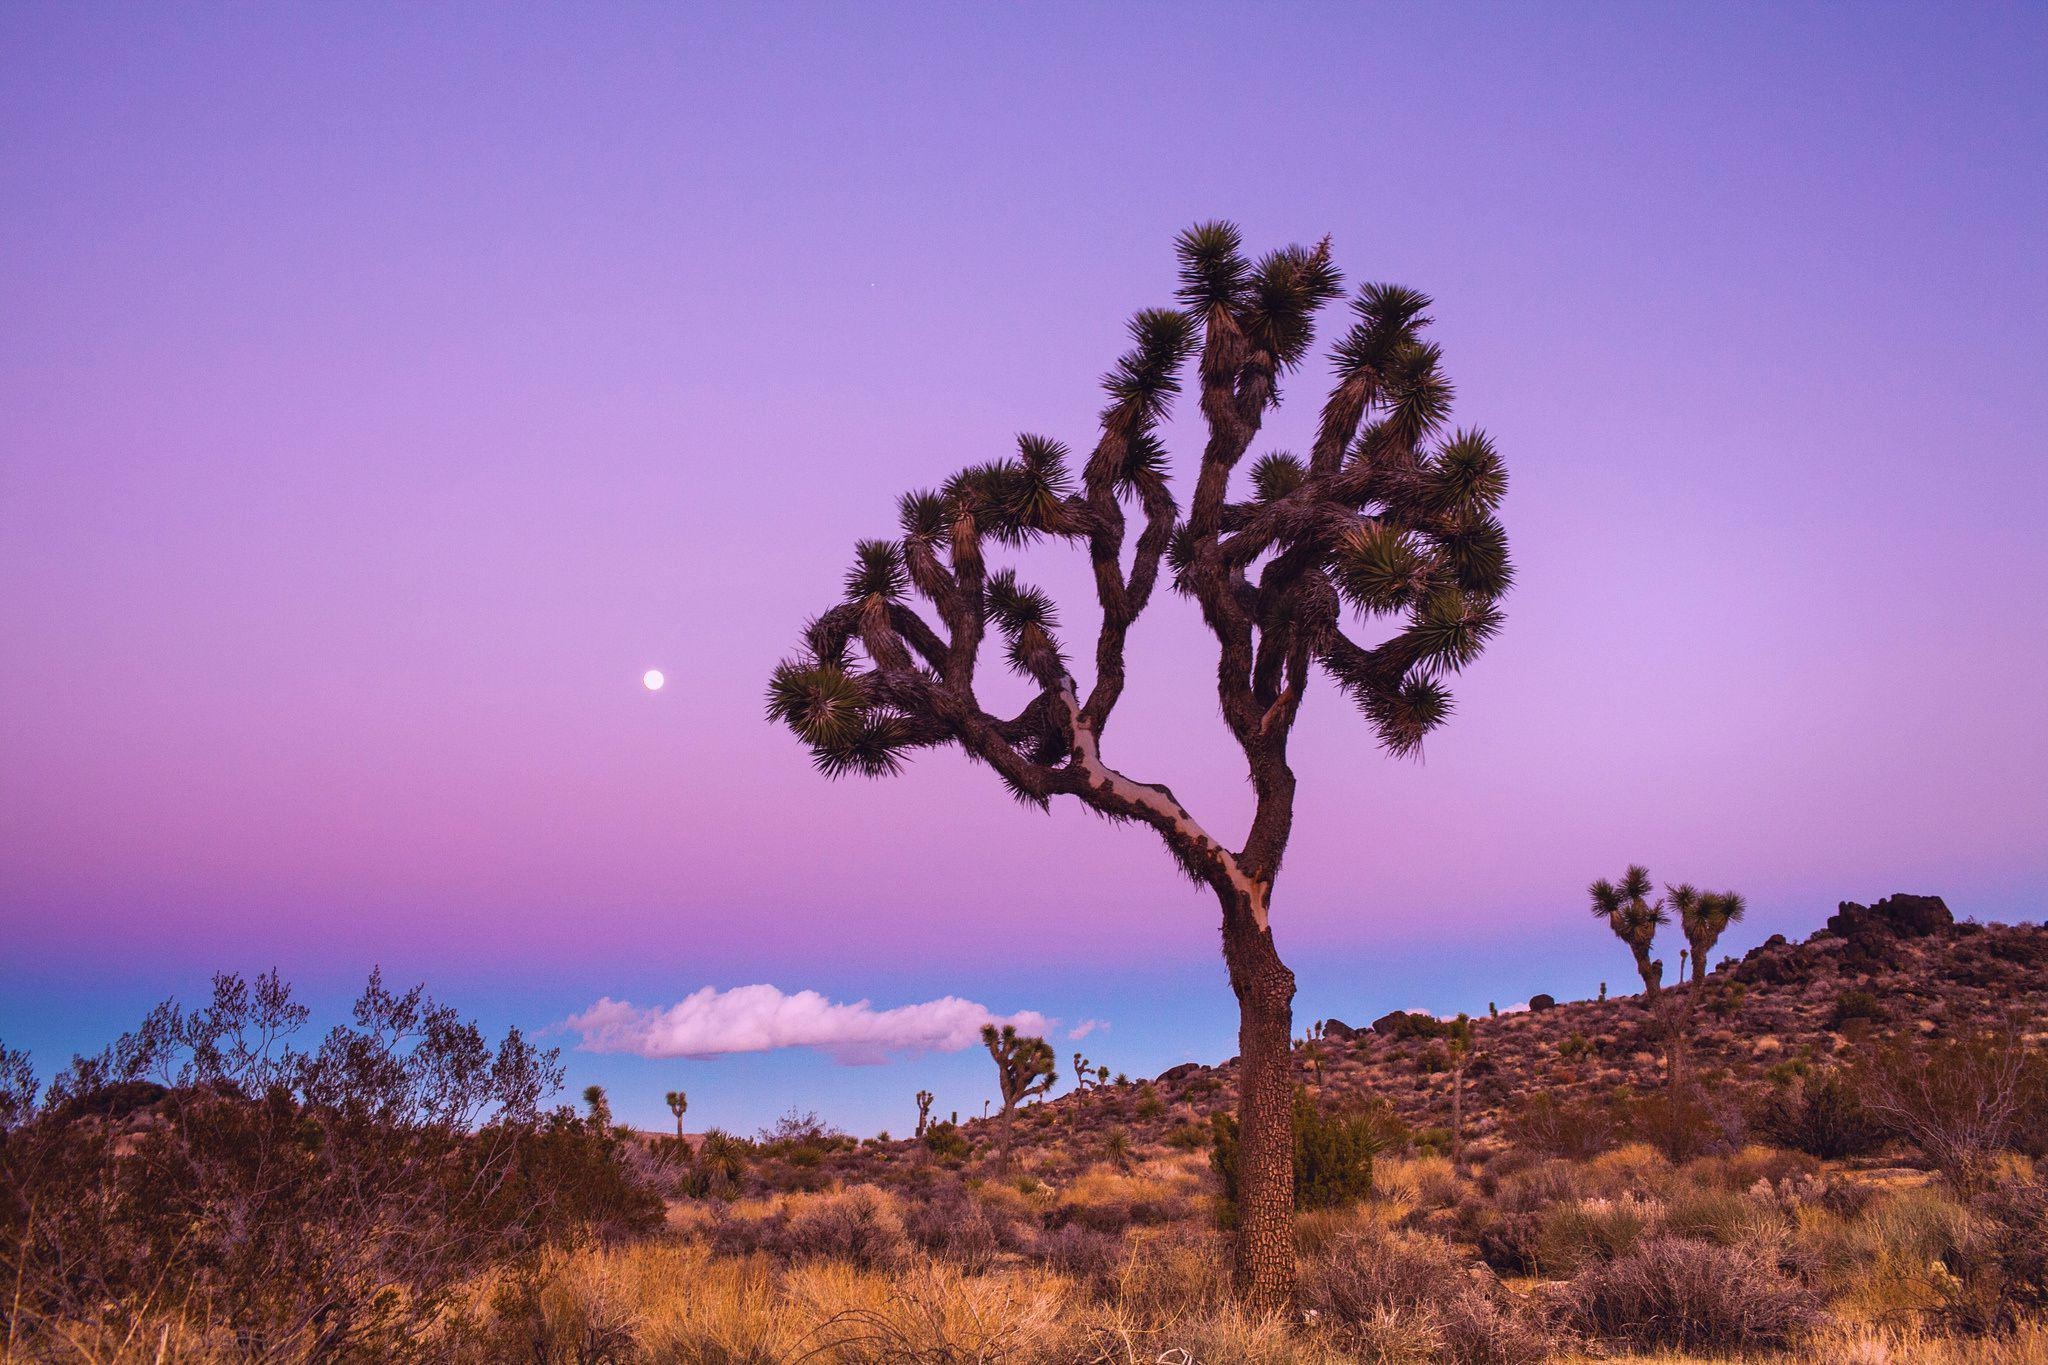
column 382, row 390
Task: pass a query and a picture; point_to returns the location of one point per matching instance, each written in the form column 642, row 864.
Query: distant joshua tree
column 1390, row 515
column 678, row 1103
column 1704, row 916
column 1459, row 1041
column 1024, row 1067
column 600, row 1106
column 1087, row 1073
column 1633, row 919
column 924, row 1112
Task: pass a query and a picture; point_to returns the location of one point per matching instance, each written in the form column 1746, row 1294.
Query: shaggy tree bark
column 1389, row 516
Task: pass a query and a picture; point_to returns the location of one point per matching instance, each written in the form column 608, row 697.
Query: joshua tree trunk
column 1458, row 1118
column 1265, row 1108
column 1009, row 1126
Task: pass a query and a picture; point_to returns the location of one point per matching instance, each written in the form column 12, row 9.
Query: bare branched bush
column 1961, row 1099
column 1692, row 1296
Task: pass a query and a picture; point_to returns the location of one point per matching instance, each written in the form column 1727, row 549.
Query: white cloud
column 714, row 1023
column 1084, row 1028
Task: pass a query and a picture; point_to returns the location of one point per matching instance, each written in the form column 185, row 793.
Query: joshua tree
column 1459, row 1040
column 1704, row 916
column 1633, row 919
column 678, row 1102
column 924, row 1111
column 1024, row 1067
column 600, row 1107
column 1391, row 515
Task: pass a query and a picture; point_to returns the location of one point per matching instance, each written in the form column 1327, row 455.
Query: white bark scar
column 1088, row 754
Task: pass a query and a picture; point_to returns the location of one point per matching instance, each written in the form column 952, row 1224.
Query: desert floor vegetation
column 206, row 1192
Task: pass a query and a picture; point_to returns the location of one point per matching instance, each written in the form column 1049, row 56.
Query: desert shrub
column 718, row 1169
column 1960, row 1099
column 1854, row 1006
column 1692, row 1296
column 1722, row 1218
column 1563, row 1128
column 1186, row 1137
column 1572, row 1236
column 947, row 1142
column 1149, row 1105
column 1402, row 1025
column 1822, row 1115
column 732, row 1235
column 1333, row 1154
column 1998, row 1271
column 1081, row 1253
column 859, row 1227
column 1178, row 1274
column 329, row 1200
column 954, row 1226
column 1375, row 1278
column 563, row 1309
column 1682, row 1125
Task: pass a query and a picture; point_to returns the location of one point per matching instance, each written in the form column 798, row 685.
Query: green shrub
column 1333, row 1154
column 1821, row 1115
column 946, row 1141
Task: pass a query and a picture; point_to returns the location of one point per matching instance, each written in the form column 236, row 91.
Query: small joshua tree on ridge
column 1024, row 1067
column 1389, row 519
column 1459, row 1041
column 1633, row 919
column 678, row 1104
column 924, row 1112
column 1704, row 916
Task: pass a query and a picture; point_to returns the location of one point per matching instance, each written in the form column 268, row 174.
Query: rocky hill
column 1904, row 964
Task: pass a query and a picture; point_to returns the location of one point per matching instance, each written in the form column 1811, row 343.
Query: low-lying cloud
column 715, row 1023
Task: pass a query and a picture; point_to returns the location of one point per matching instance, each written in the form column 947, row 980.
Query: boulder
column 1338, row 1030
column 1540, row 1002
column 1900, row 914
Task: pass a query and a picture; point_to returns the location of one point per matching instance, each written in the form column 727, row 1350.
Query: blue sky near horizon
column 384, row 388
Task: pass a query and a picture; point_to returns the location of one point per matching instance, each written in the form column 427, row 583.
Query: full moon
column 652, row 679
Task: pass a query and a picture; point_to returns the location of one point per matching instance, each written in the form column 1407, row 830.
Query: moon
column 652, row 680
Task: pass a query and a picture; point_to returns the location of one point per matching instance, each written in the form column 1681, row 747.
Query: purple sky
column 382, row 390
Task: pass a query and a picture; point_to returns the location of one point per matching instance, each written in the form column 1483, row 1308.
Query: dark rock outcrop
column 1901, row 915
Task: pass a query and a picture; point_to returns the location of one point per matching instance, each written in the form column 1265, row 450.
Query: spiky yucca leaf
column 1468, row 473
column 874, row 749
column 1287, row 288
column 1180, row 556
column 1213, row 271
column 877, row 571
column 1039, row 484
column 924, row 515
column 1146, row 465
column 1451, row 627
column 821, row 704
column 1418, row 395
column 1475, row 548
column 1012, row 605
column 1635, row 883
column 825, row 639
column 1146, row 377
column 1276, row 475
column 1607, row 898
column 1404, row 716
column 1378, row 567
